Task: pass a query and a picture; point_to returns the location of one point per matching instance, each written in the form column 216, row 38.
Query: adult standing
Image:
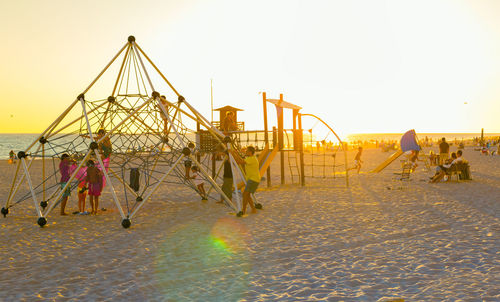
column 251, row 164
column 444, row 151
column 227, row 185
column 65, row 170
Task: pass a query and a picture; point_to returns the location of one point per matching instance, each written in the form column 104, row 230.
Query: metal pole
column 213, row 183
column 52, row 205
column 301, row 150
column 161, row 74
column 143, row 67
column 279, row 111
column 105, row 68
column 43, row 171
column 13, row 184
column 211, row 102
column 108, row 180
column 156, row 186
column 28, row 178
column 121, row 69
column 11, row 196
column 54, row 123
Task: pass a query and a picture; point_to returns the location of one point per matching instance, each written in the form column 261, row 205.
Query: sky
column 362, row 66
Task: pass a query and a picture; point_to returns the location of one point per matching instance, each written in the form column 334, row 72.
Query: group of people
column 252, row 174
column 443, row 169
column 446, row 163
column 90, row 184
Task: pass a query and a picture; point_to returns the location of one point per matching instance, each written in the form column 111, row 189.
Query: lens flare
column 202, row 262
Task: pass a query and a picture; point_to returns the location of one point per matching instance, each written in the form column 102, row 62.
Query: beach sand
column 321, row 242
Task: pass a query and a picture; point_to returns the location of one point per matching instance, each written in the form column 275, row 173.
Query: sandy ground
column 321, row 242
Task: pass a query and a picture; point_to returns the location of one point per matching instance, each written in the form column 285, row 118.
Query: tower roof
column 228, row 108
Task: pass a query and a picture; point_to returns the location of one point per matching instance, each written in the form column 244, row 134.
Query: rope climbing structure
column 138, row 137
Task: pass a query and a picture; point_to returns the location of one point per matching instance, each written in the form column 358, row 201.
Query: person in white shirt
column 442, row 169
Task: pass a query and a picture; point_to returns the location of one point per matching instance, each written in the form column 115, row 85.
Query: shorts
column 188, row 163
column 67, row 192
column 95, row 189
column 227, row 187
column 251, row 186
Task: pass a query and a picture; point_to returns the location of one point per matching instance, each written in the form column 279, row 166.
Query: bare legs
column 438, row 177
column 94, row 202
column 63, row 205
column 247, row 199
column 81, row 202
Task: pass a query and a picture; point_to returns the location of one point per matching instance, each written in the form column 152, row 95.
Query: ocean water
column 19, row 142
column 16, row 142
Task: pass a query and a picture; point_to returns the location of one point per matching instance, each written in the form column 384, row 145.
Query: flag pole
column 211, row 103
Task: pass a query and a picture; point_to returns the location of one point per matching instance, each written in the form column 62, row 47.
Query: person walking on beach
column 64, row 169
column 252, row 174
column 444, row 151
column 12, row 157
column 357, row 160
column 94, row 180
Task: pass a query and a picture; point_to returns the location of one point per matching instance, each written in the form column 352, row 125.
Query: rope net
column 137, row 138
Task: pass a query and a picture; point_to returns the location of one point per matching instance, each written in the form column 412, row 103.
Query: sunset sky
column 362, row 66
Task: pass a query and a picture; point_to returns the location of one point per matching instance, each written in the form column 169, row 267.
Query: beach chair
column 454, row 171
column 464, row 168
column 403, row 178
column 460, row 170
column 426, row 160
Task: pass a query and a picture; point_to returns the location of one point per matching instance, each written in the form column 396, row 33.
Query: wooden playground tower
column 298, row 141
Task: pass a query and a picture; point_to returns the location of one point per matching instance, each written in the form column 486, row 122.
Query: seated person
column 463, row 166
column 442, row 170
column 485, row 150
column 460, row 158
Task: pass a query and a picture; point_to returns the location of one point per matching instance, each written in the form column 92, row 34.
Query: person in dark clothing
column 227, row 185
column 444, row 151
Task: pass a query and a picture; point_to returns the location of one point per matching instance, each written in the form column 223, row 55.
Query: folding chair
column 402, row 178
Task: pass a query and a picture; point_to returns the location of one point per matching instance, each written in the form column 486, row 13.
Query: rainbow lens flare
column 204, row 263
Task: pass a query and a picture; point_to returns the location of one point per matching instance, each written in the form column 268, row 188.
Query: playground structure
column 149, row 134
column 409, row 141
column 307, row 158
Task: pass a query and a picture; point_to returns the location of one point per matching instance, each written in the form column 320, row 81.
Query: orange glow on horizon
column 364, row 67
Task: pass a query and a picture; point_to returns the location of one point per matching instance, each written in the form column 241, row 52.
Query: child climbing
column 188, row 162
column 198, row 181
